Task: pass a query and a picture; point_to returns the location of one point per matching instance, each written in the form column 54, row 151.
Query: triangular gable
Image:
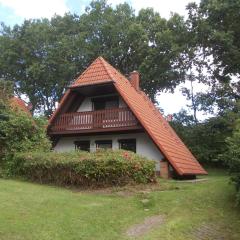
column 150, row 118
column 94, row 74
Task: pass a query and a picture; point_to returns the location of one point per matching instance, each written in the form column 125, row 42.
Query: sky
column 15, row 11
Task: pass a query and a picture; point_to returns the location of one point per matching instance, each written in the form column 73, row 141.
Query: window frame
column 76, row 143
column 103, row 101
column 97, row 142
column 131, row 140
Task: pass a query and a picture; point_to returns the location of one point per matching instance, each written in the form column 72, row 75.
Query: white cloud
column 116, row 2
column 164, row 7
column 35, row 8
column 174, row 102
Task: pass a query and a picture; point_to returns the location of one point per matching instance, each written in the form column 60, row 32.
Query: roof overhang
column 94, row 89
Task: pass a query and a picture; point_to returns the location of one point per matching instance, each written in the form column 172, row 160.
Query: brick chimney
column 134, row 79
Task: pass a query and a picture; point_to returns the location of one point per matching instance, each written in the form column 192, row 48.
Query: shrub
column 20, row 132
column 207, row 139
column 232, row 157
column 83, row 169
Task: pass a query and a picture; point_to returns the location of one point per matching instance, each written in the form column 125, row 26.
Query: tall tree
column 39, row 57
column 42, row 57
column 162, row 65
column 216, row 27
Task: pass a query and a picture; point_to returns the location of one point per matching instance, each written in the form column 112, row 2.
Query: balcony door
column 99, row 105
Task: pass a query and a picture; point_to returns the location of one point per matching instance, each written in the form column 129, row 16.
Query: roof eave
column 91, row 84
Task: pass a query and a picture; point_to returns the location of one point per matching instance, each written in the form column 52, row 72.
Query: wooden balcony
column 115, row 119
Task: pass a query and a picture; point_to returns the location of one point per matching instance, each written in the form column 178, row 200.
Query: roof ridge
column 84, row 72
column 104, row 62
column 97, row 61
column 116, row 72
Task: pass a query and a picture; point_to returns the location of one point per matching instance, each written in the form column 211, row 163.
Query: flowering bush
column 84, row 169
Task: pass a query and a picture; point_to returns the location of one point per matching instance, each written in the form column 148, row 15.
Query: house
column 18, row 103
column 103, row 109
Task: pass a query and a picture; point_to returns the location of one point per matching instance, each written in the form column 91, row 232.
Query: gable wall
column 144, row 145
column 87, row 104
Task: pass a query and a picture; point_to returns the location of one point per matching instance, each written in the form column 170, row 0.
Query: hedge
column 83, row 169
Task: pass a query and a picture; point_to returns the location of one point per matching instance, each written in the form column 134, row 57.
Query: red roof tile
column 151, row 119
column 19, row 103
column 95, row 74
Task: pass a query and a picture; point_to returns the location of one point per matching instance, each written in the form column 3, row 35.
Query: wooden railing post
column 108, row 118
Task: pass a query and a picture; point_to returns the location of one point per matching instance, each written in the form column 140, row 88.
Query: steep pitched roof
column 20, row 104
column 94, row 74
column 151, row 119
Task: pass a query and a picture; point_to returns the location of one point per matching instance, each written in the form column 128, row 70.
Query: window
column 104, row 144
column 82, row 145
column 111, row 104
column 102, row 103
column 127, row 144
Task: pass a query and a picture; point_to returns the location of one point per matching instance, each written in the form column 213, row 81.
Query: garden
column 116, row 194
column 106, row 194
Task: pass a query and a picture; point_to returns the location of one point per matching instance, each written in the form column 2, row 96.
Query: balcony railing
column 95, row 120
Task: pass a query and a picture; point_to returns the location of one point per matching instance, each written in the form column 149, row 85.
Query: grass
column 32, row 211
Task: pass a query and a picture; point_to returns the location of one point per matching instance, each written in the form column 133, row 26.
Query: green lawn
column 204, row 210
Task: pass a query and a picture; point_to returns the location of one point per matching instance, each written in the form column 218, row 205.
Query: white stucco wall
column 144, row 145
column 86, row 105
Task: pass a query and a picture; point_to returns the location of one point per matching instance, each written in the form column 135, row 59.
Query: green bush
column 207, row 139
column 83, row 169
column 20, row 132
column 232, row 157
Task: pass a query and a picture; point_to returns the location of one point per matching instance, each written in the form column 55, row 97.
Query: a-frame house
column 103, row 109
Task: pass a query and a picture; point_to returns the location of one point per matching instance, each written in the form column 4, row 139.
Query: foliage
column 6, row 90
column 82, row 168
column 206, row 139
column 221, row 23
column 38, row 58
column 46, row 212
column 215, row 24
column 20, row 132
column 42, row 57
column 232, row 157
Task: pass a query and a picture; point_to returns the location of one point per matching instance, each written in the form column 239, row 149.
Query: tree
column 19, row 132
column 232, row 157
column 207, row 139
column 216, row 27
column 162, row 67
column 42, row 57
column 38, row 58
column 6, row 90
